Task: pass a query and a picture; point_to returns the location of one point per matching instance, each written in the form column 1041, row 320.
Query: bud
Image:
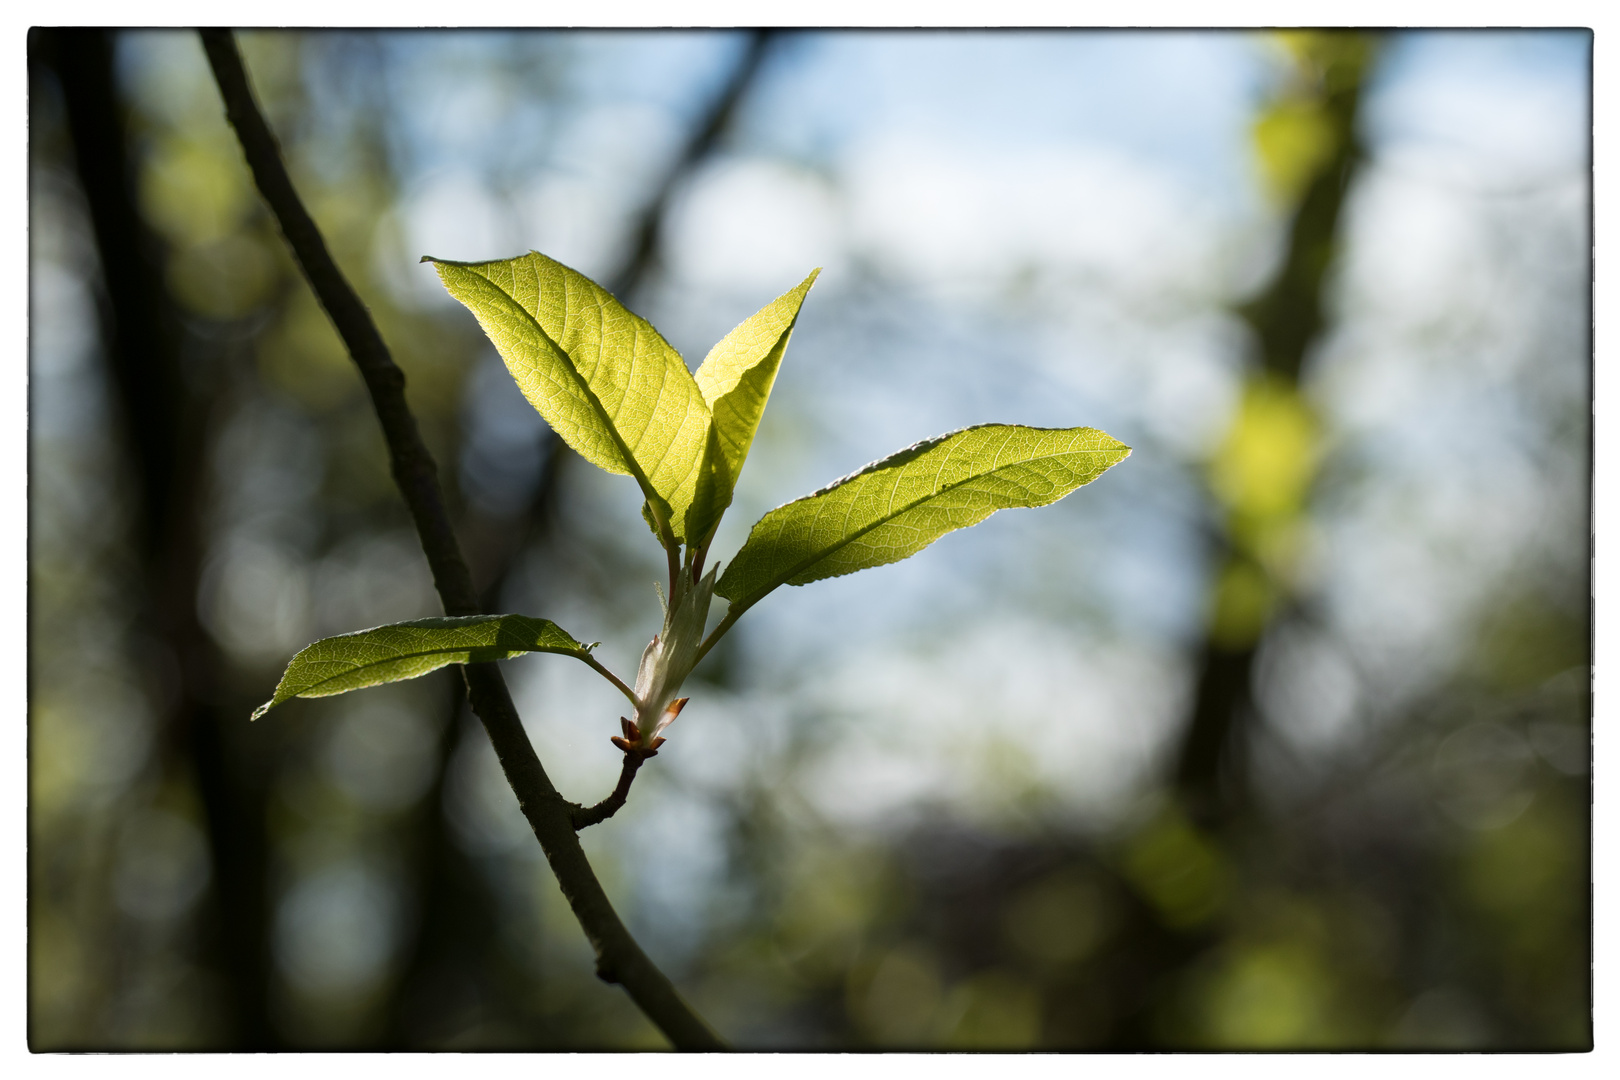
column 670, row 656
column 630, row 743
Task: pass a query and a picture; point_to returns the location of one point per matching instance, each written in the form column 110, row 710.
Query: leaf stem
column 610, row 677
column 732, row 615
column 666, row 533
column 701, row 550
column 618, row 957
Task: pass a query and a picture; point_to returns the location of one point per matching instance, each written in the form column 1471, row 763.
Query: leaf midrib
column 607, row 321
column 579, row 378
column 430, row 652
column 805, row 564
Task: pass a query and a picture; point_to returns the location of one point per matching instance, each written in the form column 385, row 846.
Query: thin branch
column 618, row 957
column 585, row 817
column 697, row 148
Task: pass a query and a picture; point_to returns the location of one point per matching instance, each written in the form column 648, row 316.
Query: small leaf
column 405, row 650
column 896, row 507
column 736, row 379
column 603, row 378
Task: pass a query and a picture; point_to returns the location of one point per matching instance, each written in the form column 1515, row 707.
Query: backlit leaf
column 736, row 379
column 406, row 650
column 602, row 377
column 896, row 507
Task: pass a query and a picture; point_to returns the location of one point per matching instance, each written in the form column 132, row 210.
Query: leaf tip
column 262, row 709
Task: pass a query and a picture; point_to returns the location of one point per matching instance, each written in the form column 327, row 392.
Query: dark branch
column 618, row 957
column 1287, row 318
column 585, row 817
column 413, row 467
column 697, row 148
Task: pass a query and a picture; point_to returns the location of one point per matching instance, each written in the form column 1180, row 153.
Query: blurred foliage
column 1295, row 134
column 1422, row 884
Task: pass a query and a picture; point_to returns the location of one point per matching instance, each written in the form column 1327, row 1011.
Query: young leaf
column 896, row 507
column 405, row 650
column 736, row 379
column 603, row 378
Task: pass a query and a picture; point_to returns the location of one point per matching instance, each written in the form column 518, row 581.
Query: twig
column 618, row 958
column 585, row 817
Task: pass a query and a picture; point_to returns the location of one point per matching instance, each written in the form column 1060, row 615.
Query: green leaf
column 405, row 650
column 896, row 507
column 736, row 379
column 603, row 378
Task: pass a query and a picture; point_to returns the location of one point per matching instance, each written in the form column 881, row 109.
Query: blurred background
column 1277, row 736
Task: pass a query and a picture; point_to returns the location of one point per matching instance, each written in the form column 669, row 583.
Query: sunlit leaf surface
column 736, row 379
column 896, row 507
column 405, row 650
column 602, row 377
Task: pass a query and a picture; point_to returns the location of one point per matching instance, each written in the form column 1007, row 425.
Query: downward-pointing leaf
column 896, row 507
column 603, row 378
column 736, row 379
column 405, row 650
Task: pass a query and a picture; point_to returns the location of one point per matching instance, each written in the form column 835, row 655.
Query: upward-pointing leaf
column 405, row 650
column 603, row 378
column 896, row 507
column 736, row 379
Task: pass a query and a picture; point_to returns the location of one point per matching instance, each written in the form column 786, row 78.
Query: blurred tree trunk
column 1259, row 480
column 1262, row 474
column 164, row 417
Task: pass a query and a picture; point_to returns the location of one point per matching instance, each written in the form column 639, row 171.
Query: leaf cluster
column 624, row 399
